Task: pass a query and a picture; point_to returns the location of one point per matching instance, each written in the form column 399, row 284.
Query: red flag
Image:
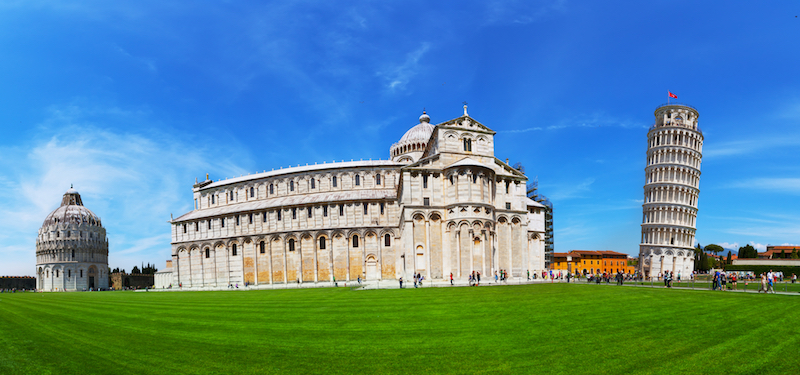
column 671, row 95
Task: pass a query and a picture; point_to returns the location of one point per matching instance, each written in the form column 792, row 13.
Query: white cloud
column 398, row 77
column 759, row 246
column 729, row 246
column 133, row 181
column 748, row 146
column 571, row 191
column 593, row 120
column 785, row 185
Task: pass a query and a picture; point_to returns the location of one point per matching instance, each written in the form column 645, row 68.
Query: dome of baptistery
column 414, row 142
column 71, row 248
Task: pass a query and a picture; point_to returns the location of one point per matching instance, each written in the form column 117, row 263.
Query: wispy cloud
column 594, row 120
column 521, row 12
column 572, row 191
column 749, row 146
column 133, row 181
column 398, row 77
column 149, row 64
column 783, row 185
column 729, row 246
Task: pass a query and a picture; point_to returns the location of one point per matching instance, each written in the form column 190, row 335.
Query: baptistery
column 72, row 248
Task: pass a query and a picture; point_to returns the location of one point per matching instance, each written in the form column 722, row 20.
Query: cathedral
column 442, row 204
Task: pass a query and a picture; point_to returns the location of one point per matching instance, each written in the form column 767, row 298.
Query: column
column 458, row 250
column 428, row 248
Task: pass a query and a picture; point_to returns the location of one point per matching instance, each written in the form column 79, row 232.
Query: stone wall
column 17, row 282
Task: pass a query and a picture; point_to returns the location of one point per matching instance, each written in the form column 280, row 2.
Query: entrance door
column 372, row 268
column 91, row 281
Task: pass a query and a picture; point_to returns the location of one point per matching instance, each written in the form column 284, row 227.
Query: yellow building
column 586, row 262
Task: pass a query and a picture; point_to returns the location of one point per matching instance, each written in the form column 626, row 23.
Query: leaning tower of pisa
column 672, row 181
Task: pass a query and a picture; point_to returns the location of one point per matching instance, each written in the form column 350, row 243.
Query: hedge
column 787, row 270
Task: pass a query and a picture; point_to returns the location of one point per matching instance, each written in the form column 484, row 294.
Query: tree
column 135, row 270
column 783, row 254
column 748, row 252
column 795, row 255
column 714, row 248
column 729, row 261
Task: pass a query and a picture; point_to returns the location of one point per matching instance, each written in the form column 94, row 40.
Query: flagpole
column 668, row 96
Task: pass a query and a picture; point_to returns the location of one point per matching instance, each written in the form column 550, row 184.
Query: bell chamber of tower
column 671, row 191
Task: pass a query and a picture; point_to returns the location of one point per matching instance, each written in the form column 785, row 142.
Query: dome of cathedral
column 420, row 132
column 72, row 211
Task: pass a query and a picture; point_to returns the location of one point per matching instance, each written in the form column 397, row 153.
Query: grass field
column 547, row 329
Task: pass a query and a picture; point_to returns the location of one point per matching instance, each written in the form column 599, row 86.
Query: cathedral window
column 291, row 244
column 212, row 198
column 355, row 241
column 231, row 196
column 251, row 219
column 279, row 215
column 271, row 189
column 467, row 145
column 451, row 180
column 222, row 222
column 333, row 181
column 264, row 217
column 387, row 240
column 309, row 212
column 209, row 224
column 56, row 273
column 184, row 228
column 262, row 247
column 325, row 211
column 425, row 181
column 73, row 254
column 474, row 178
column 426, row 201
column 508, row 183
column 58, row 234
column 365, row 208
column 377, row 179
column 81, row 273
column 196, row 227
column 322, row 243
column 233, row 250
column 383, row 206
column 237, row 220
column 358, row 180
column 252, row 192
column 208, row 253
column 294, row 213
column 341, row 210
column 291, row 185
column 313, row 184
column 508, row 206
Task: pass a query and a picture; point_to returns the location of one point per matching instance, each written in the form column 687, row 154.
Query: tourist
column 723, row 280
column 479, row 278
column 529, row 275
column 335, row 284
column 733, row 281
column 415, row 280
column 763, row 286
column 359, row 280
column 495, row 276
column 794, row 278
column 770, row 282
column 451, row 278
column 401, row 283
column 679, row 276
column 420, row 279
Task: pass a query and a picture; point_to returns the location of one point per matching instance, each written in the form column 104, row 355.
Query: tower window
column 383, row 205
column 279, row 215
column 264, row 217
column 237, row 219
column 322, row 243
column 262, row 247
column 387, row 240
column 212, row 198
column 209, row 224
column 233, row 250
column 309, row 211
column 81, row 273
column 291, row 244
column 313, row 184
column 377, row 179
column 208, row 253
column 365, row 208
column 358, row 180
column 252, row 192
column 291, row 185
column 341, row 210
column 334, row 181
column 271, row 189
column 425, row 181
column 250, row 216
column 508, row 206
column 196, row 227
column 294, row 213
column 426, row 201
column 325, row 211
column 222, row 222
column 355, row 241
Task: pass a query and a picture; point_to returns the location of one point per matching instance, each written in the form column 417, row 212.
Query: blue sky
column 131, row 101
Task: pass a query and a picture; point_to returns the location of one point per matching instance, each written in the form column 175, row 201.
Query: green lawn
column 547, row 329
